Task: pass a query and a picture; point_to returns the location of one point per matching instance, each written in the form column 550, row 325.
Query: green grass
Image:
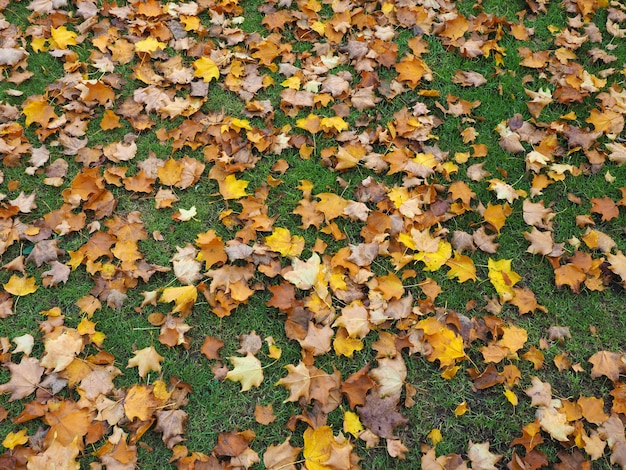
column 217, row 406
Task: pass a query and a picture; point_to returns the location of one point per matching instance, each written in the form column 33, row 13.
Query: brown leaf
column 282, row 456
column 264, row 414
column 607, row 363
column 211, row 346
column 380, row 415
column 25, row 378
column 540, row 393
column 171, row 424
column 469, row 78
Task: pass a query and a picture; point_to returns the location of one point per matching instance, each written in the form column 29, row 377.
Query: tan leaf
column 146, row 359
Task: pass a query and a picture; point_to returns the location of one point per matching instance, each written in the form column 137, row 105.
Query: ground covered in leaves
column 312, row 234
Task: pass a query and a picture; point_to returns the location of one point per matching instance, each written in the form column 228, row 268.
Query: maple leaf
column 183, row 297
column 247, row 371
column 329, row 123
column 62, row 37
column 435, row 259
column 317, row 447
column 149, row 45
column 461, row 267
column 540, row 242
column 496, row 215
column 304, row 273
column 171, row 424
column 146, row 359
column 503, row 278
column 540, row 392
column 264, row 414
column 206, row 69
column 282, row 456
column 447, row 347
column 20, row 286
column 606, row 207
column 298, row 381
column 481, row 458
column 284, row 243
column 390, row 376
column 232, row 188
column 606, row 363
column 211, row 346
column 25, row 377
column 554, row 423
column 62, row 349
column 354, row 318
column 380, row 415
column 57, row 455
column 14, row 439
column 140, row 402
column 68, row 422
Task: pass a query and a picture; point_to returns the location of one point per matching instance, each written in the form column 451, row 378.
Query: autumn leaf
column 304, row 273
column 183, row 297
column 503, row 278
column 61, row 38
column 284, row 243
column 25, row 377
column 317, row 447
column 14, row 439
column 461, row 267
column 146, row 359
column 282, row 456
column 352, row 423
column 206, row 69
column 20, row 286
column 247, row 371
column 232, row 188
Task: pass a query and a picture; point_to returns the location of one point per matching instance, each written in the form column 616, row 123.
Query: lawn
column 312, row 234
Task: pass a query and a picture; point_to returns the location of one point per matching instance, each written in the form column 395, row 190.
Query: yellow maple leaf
column 335, row 122
column 20, row 286
column 19, row 438
column 446, row 345
column 435, row 259
column 311, row 123
column 461, row 267
column 292, row 82
column 232, row 188
column 238, row 124
column 461, row 409
column 248, row 371
column 352, row 423
column 39, row 44
column 206, row 69
column 435, row 436
column 284, row 243
column 510, row 396
column 38, row 111
column 344, row 345
column 62, row 37
column 149, row 45
column 183, row 298
column 318, row 445
column 503, row 278
column 191, row 23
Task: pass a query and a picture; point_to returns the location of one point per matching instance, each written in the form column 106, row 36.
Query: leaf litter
column 152, row 62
